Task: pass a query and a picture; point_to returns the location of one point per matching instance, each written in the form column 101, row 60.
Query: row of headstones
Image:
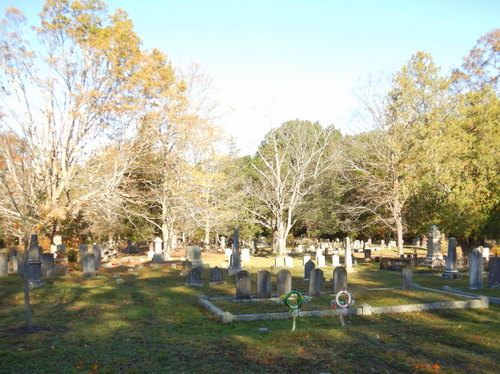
column 284, row 283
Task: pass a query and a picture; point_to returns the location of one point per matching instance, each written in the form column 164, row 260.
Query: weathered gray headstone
column 194, row 277
column 284, row 282
column 263, row 284
column 187, row 266
column 235, row 259
column 316, row 282
column 21, row 265
column 216, row 276
column 48, row 265
column 308, row 267
column 34, row 268
column 193, row 254
column 339, row 279
column 451, row 271
column 243, row 285
column 15, row 262
column 96, row 249
column 89, row 265
column 4, row 264
column 61, row 248
column 407, row 279
column 368, row 255
column 475, row 270
column 494, row 272
column 83, row 250
column 245, row 255
column 320, row 260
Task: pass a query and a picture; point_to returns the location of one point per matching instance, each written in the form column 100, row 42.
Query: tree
column 286, row 168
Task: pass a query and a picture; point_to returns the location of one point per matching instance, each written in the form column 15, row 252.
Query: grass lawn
column 153, row 324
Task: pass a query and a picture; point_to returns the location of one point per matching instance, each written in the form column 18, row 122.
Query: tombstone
column 339, row 279
column 61, row 248
column 319, row 251
column 348, row 256
column 263, row 284
column 34, row 268
column 368, row 255
column 284, row 282
column 486, row 253
column 494, row 272
column 158, row 251
column 300, row 248
column 382, row 243
column 15, row 262
column 335, row 260
column 96, row 249
column 475, row 270
column 89, row 265
column 235, row 259
column 320, row 260
column 193, row 254
column 228, row 252
column 48, row 265
column 187, row 266
column 369, row 242
column 4, row 264
column 305, row 259
column 83, row 250
column 194, row 277
column 316, row 282
column 434, row 244
column 222, row 241
column 451, row 271
column 243, row 285
column 308, row 267
column 288, row 261
column 245, row 255
column 216, row 276
column 21, row 265
column 407, row 279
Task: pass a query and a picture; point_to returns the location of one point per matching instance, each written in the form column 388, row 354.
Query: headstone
column 263, row 284
column 451, row 271
column 288, row 261
column 348, row 256
column 245, row 255
column 308, row 267
column 494, row 272
column 475, row 270
column 48, row 265
column 222, row 241
column 243, row 285
column 15, row 262
column 235, row 259
column 407, row 279
column 21, row 265
column 194, row 277
column 305, row 259
column 368, row 255
column 34, row 268
column 319, row 251
column 316, row 282
column 320, row 260
column 228, row 252
column 4, row 264
column 486, row 253
column 216, row 276
column 434, row 244
column 284, row 282
column 61, row 248
column 369, row 241
column 339, row 279
column 193, row 254
column 279, row 261
column 158, row 251
column 89, row 265
column 335, row 260
column 83, row 250
column 187, row 266
column 96, row 249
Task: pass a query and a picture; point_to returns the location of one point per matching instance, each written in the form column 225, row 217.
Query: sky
column 275, row 60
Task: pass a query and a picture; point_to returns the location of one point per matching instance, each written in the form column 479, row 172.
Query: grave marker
column 284, row 282
column 316, row 282
column 243, row 285
column 308, row 267
column 339, row 279
column 48, row 265
column 194, row 277
column 4, row 264
column 494, row 272
column 407, row 279
column 187, row 266
column 216, row 276
column 475, row 270
column 193, row 254
column 89, row 265
column 263, row 284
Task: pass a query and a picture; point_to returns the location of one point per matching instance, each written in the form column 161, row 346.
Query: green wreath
column 299, row 300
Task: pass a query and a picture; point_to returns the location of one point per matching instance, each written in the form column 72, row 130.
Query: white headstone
column 158, row 245
column 335, row 260
column 305, row 259
column 320, row 261
column 245, row 255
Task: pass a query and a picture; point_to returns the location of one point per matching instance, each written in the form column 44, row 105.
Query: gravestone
column 434, row 245
column 193, row 254
column 187, row 266
column 284, row 282
column 279, row 261
column 83, row 250
column 305, row 259
column 245, row 255
column 475, row 270
column 320, row 260
column 158, row 250
column 335, row 260
column 319, row 251
column 194, row 277
column 316, row 282
column 348, row 255
column 48, row 265
column 61, row 248
column 34, row 268
column 308, row 267
column 222, row 241
column 494, row 272
column 89, row 265
column 451, row 271
column 243, row 285
column 235, row 259
column 263, row 284
column 368, row 255
column 486, row 253
column 339, row 279
column 216, row 276
column 288, row 261
column 407, row 279
column 21, row 264
column 4, row 264
column 96, row 250
column 15, row 262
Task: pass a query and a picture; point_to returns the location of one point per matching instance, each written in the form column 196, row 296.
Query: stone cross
column 475, row 270
column 284, row 282
column 316, row 282
column 339, row 279
column 308, row 267
column 243, row 285
column 263, row 284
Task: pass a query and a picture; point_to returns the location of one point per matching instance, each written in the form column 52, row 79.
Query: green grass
column 153, row 324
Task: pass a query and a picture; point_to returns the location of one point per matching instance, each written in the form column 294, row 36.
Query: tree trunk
column 398, row 220
column 207, row 234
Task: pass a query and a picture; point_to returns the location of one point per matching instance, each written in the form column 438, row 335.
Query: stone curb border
column 363, row 310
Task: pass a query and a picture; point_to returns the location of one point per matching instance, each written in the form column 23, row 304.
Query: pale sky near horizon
column 272, row 61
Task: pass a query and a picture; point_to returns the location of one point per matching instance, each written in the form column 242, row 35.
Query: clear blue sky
column 277, row 60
